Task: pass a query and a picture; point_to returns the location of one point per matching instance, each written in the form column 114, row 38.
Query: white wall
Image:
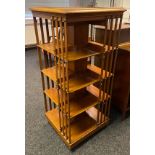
column 118, row 3
column 54, row 3
column 29, row 32
column 126, row 5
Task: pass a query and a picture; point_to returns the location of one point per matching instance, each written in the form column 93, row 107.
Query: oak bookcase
column 74, row 106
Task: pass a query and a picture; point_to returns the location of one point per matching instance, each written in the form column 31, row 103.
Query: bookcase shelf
column 77, row 105
column 81, row 126
column 50, row 48
column 76, row 108
column 73, row 53
column 82, row 80
column 76, row 54
column 51, row 72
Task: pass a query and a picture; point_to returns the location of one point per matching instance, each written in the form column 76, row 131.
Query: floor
column 41, row 139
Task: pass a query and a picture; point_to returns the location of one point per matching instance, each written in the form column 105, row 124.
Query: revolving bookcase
column 74, row 106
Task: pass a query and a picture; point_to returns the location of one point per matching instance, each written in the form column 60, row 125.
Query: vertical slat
column 42, row 31
column 43, row 41
column 59, row 74
column 113, row 44
column 63, row 75
column 40, row 61
column 91, row 32
column 56, row 66
column 101, row 79
column 107, row 63
column 47, row 30
column 101, row 82
column 67, row 80
column 103, row 66
column 106, row 88
column 62, row 68
column 48, row 55
column 48, row 40
column 45, row 55
column 68, row 103
column 36, row 29
column 115, row 58
column 42, row 78
column 53, row 41
column 50, row 58
column 69, row 126
column 65, row 40
column 103, row 95
column 107, row 57
column 111, row 62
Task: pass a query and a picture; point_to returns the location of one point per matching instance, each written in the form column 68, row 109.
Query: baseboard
column 30, row 46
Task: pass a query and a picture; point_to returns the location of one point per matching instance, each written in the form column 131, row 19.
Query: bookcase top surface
column 74, row 10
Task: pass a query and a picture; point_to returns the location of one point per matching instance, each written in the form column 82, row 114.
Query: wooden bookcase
column 74, row 106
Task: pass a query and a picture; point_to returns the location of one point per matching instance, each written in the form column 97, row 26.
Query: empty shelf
column 72, row 54
column 81, row 127
column 80, row 54
column 49, row 47
column 52, row 94
column 78, row 104
column 51, row 73
column 82, row 80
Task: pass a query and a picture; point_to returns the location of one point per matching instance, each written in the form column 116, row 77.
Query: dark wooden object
column 121, row 87
column 124, row 33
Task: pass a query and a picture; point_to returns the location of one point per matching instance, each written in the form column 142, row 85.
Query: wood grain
column 74, row 10
column 79, row 102
column 80, row 127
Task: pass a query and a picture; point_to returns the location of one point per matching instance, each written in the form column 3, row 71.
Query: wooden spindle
column 101, row 75
column 67, row 79
column 115, row 58
column 101, row 83
column 108, row 79
column 48, row 40
column 59, row 74
column 47, row 30
column 36, row 29
column 40, row 61
column 107, row 57
column 111, row 62
column 56, row 66
column 63, row 75
column 104, row 45
column 45, row 56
